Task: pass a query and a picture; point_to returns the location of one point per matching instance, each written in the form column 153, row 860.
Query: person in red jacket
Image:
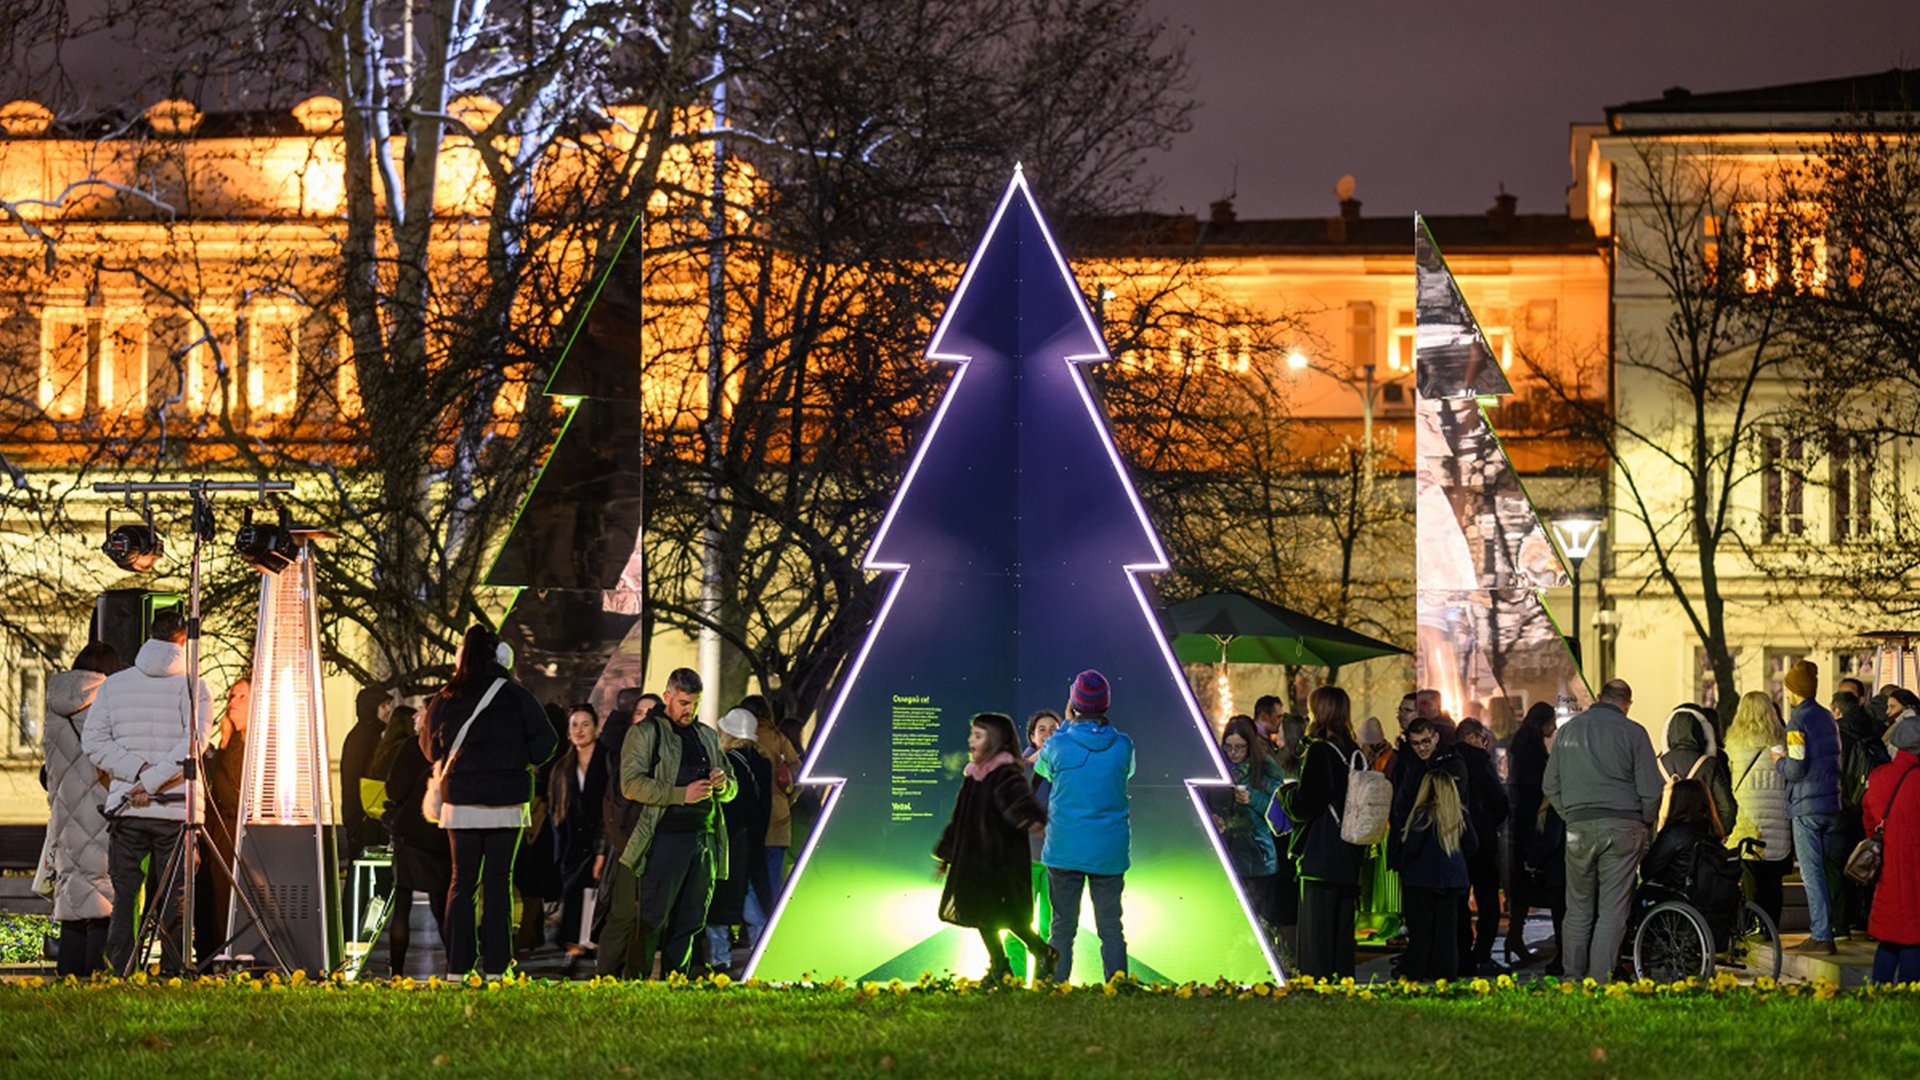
column 1894, row 920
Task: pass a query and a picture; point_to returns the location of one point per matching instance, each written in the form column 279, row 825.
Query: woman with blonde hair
column 1431, row 852
column 1761, row 793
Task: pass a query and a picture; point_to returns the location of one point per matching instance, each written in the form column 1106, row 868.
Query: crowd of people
column 637, row 842
column 645, row 841
column 1585, row 820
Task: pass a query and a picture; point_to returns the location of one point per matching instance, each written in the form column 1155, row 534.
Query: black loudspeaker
column 123, row 617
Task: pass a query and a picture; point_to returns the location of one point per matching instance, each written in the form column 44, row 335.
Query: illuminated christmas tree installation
column 1487, row 642
column 1015, row 542
column 572, row 548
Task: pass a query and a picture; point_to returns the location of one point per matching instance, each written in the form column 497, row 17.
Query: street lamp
column 1577, row 535
column 1367, row 386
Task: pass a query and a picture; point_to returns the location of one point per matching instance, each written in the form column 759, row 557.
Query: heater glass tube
column 287, row 782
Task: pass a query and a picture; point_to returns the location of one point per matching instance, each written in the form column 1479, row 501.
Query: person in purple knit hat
column 1088, row 845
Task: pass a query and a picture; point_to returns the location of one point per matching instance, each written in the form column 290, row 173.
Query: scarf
column 980, row 770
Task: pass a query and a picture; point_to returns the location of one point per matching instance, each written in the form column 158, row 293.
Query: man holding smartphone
column 673, row 767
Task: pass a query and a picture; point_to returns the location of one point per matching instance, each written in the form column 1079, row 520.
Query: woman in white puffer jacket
column 1761, row 793
column 82, row 891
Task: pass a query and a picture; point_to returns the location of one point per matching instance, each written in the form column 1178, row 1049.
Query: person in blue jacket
column 1810, row 763
column 1089, row 839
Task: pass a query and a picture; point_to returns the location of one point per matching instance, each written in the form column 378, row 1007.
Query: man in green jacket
column 673, row 768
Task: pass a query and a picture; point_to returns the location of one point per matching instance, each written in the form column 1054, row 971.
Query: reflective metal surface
column 1486, row 640
column 1454, row 360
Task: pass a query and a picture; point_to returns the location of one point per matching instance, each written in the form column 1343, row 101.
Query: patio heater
column 1896, row 657
column 285, row 844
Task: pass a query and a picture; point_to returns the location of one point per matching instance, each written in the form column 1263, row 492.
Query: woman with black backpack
column 1329, row 867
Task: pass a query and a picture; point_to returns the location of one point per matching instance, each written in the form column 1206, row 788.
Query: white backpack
column 1369, row 804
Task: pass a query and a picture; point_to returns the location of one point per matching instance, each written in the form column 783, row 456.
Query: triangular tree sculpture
column 1487, row 641
column 572, row 551
column 1016, row 539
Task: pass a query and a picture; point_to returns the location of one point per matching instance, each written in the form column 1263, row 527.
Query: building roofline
column 1816, row 104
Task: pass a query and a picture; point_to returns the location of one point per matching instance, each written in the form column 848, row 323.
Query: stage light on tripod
column 268, row 546
column 134, row 548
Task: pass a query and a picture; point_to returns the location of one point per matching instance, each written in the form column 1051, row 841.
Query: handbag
column 435, row 800
column 44, row 874
column 1869, row 855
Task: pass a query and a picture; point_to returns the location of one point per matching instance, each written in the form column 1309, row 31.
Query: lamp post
column 1577, row 534
column 1367, row 388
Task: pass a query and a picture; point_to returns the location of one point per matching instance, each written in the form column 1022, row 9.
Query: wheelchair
column 1672, row 939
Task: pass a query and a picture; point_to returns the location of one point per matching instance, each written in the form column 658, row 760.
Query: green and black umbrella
column 1236, row 628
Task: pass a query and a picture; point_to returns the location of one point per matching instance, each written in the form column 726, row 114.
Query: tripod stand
column 180, row 870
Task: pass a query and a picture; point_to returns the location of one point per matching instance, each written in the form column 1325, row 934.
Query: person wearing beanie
column 1810, row 763
column 1894, row 919
column 1089, row 840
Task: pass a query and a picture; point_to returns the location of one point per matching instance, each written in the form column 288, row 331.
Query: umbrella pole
column 1223, row 685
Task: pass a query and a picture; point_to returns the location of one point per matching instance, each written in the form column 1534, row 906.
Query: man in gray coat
column 1604, row 780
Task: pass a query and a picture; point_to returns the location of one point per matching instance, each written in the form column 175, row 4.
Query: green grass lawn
column 579, row 1030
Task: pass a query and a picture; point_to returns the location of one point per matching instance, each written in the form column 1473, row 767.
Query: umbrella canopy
column 1255, row 631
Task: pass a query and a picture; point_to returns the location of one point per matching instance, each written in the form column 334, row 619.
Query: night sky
column 1432, row 105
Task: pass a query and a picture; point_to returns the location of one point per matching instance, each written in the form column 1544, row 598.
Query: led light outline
column 837, row 784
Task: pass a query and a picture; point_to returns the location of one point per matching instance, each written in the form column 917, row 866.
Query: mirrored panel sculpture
column 1454, row 360
column 1486, row 640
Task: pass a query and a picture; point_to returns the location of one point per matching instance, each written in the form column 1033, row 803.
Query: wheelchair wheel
column 1754, row 946
column 1672, row 943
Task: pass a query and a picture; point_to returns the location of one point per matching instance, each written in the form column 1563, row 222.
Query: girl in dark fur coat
column 984, row 851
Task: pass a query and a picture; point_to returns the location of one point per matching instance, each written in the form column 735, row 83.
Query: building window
column 1852, row 480
column 32, row 719
column 92, row 359
column 1498, row 330
column 1858, row 665
column 1782, row 246
column 348, row 383
column 66, row 359
column 123, row 366
column 272, row 362
column 1360, row 333
column 183, row 374
column 1778, row 662
column 1400, row 352
column 1783, row 484
column 1706, row 689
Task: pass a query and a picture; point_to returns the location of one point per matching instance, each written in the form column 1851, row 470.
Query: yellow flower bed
column 929, row 985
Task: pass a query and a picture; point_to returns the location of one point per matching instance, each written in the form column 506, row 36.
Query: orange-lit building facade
column 173, row 278
column 169, row 299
